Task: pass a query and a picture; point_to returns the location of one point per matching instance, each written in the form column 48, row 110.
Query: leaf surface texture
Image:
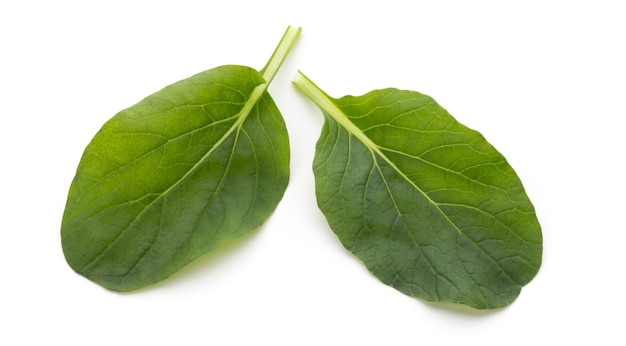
column 198, row 163
column 427, row 204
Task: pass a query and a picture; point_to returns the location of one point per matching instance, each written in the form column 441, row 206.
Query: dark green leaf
column 428, row 205
column 196, row 164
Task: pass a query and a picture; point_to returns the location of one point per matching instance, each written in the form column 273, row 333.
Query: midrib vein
column 349, row 126
column 324, row 102
column 256, row 94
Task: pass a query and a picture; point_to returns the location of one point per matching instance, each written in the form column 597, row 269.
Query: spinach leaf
column 427, row 204
column 196, row 164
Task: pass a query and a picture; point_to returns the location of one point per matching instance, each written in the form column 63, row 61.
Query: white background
column 544, row 81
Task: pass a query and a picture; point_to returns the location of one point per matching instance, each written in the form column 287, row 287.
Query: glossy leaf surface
column 198, row 163
column 427, row 204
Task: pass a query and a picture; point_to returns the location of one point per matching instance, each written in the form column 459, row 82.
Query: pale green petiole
column 270, row 70
column 322, row 100
column 280, row 53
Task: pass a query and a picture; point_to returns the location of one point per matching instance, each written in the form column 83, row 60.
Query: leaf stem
column 324, row 102
column 269, row 71
column 280, row 53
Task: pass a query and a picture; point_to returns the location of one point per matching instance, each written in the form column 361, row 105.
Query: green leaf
column 188, row 168
column 427, row 204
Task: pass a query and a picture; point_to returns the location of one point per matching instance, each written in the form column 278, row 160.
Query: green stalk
column 324, row 102
column 269, row 71
column 279, row 55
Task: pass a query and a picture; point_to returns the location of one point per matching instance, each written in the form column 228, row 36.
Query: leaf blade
column 386, row 163
column 198, row 163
